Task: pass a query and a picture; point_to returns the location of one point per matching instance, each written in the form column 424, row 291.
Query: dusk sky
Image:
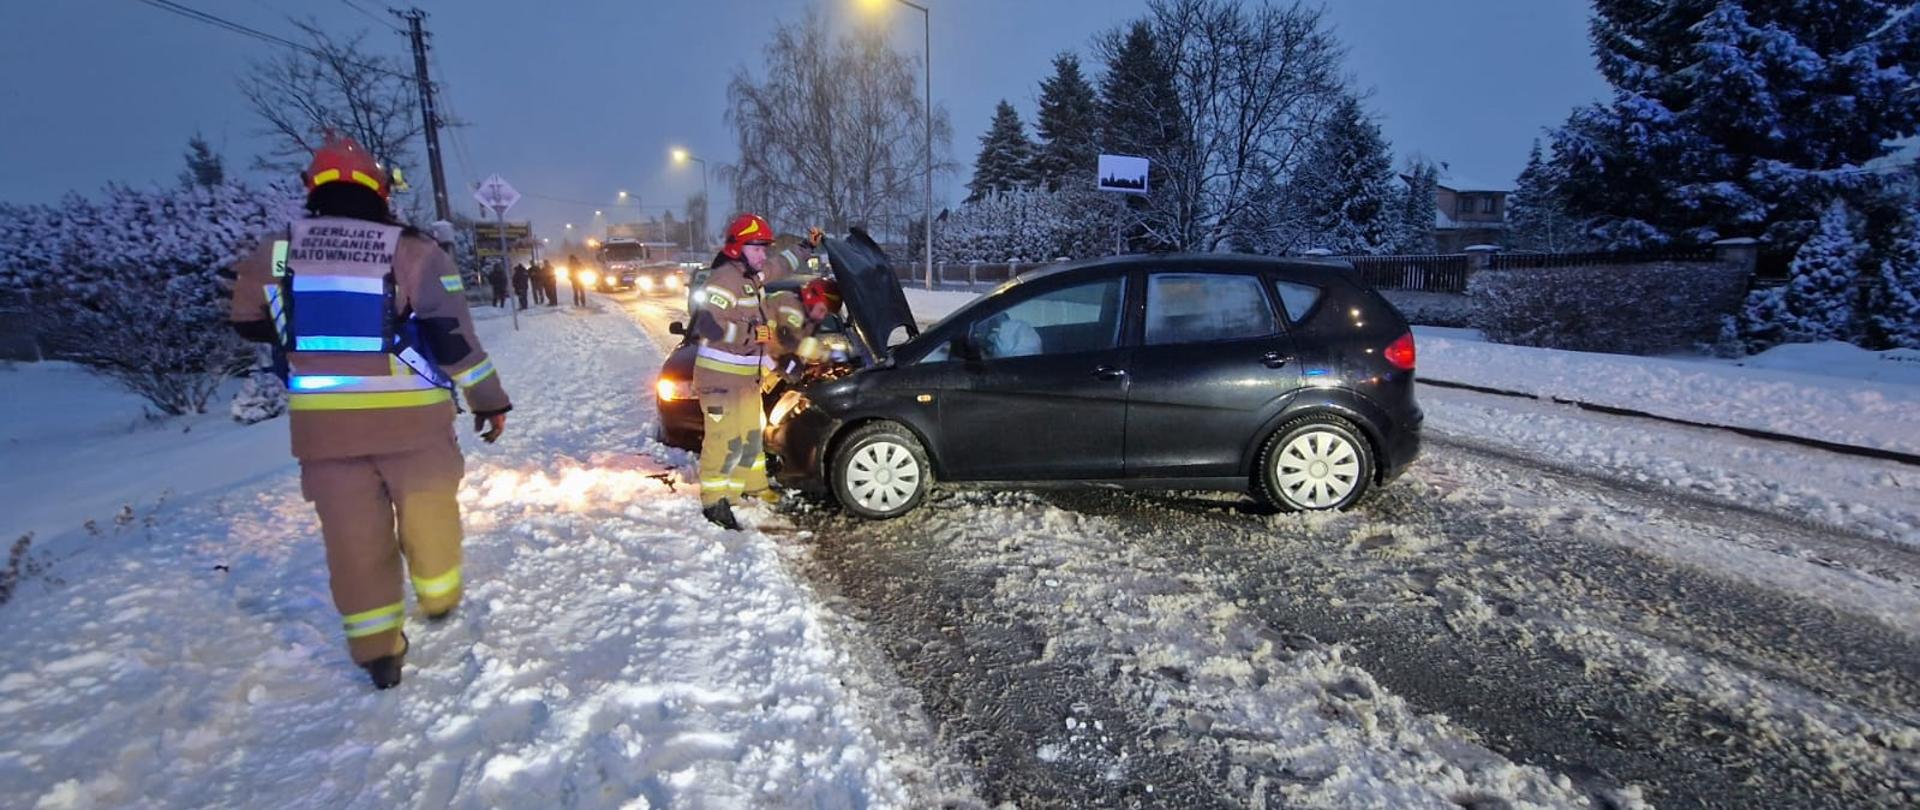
column 573, row 101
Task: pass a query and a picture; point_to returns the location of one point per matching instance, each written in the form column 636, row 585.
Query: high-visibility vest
column 334, row 294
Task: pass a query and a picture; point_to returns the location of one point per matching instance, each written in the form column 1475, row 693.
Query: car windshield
column 623, row 253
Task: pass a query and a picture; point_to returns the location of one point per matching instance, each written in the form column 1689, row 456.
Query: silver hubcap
column 1317, row 469
column 882, row 476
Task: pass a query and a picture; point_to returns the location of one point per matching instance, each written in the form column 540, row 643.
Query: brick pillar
column 1743, row 253
column 1480, row 257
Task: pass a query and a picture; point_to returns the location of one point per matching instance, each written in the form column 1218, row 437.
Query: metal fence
column 1526, row 261
column 1445, row 273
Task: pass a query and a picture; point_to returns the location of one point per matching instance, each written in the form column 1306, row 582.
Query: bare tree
column 332, row 84
column 832, row 137
column 1253, row 85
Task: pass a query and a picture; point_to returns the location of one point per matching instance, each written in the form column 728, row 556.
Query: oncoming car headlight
column 646, row 283
column 589, row 277
column 668, row 389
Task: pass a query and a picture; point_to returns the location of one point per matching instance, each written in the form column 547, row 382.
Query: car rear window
column 1206, row 307
column 1298, row 298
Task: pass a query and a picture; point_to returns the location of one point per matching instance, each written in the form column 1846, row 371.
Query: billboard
column 1123, row 173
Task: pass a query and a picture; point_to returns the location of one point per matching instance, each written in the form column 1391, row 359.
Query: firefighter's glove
column 490, row 424
column 814, row 237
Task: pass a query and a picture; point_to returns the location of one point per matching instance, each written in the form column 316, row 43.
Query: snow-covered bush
column 1821, row 299
column 130, row 285
column 1630, row 309
column 262, row 396
column 1030, row 225
column 1894, row 311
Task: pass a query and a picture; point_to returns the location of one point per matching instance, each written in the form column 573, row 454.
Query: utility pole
column 430, row 116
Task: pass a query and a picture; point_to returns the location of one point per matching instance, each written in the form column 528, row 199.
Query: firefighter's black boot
column 385, row 670
column 721, row 514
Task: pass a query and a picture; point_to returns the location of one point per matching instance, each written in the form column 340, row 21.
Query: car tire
column 1314, row 463
column 880, row 471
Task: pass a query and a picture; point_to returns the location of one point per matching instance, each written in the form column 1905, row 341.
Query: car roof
column 1304, row 268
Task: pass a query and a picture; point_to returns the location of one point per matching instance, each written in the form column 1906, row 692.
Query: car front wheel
column 881, row 472
column 1315, row 463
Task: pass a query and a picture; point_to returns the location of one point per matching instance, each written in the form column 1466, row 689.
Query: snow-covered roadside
column 613, row 650
column 1858, row 402
column 76, row 448
column 1862, row 495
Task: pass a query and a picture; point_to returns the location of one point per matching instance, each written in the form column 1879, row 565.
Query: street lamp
column 927, row 32
column 682, row 157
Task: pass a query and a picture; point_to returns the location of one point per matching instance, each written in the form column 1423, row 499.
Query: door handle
column 1110, row 373
column 1274, row 359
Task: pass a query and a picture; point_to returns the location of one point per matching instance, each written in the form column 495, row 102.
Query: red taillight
column 1400, row 353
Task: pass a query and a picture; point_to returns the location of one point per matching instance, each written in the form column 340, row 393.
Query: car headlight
column 673, row 282
column 589, row 277
column 790, row 403
column 669, row 390
column 646, row 284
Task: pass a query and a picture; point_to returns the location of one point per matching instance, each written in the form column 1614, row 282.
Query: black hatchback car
column 1287, row 379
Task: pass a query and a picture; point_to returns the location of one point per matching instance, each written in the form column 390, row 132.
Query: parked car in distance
column 1286, row 379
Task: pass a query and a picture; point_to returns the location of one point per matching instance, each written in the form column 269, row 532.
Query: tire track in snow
column 1519, row 623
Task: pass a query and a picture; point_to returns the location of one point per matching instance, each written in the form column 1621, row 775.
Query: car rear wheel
column 881, row 472
column 1315, row 463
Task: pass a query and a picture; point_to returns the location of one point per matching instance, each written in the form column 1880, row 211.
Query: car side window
column 1297, row 298
column 1081, row 318
column 1206, row 307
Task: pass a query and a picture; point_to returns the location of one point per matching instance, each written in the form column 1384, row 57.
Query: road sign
column 1123, row 173
column 495, row 193
column 515, row 231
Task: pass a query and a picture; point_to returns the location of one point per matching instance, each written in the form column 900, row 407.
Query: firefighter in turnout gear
column 741, row 329
column 379, row 340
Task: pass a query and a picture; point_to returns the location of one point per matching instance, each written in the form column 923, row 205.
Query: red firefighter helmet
column 341, row 160
column 746, row 229
column 821, row 291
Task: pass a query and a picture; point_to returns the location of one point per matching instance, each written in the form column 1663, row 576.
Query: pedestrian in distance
column 497, row 279
column 576, row 278
column 374, row 318
column 550, row 282
column 522, row 282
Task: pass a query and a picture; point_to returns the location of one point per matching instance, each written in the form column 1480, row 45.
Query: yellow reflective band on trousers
column 724, row 367
column 367, row 401
column 438, row 586
column 378, row 620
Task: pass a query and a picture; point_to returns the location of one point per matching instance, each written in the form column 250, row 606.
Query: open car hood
column 876, row 306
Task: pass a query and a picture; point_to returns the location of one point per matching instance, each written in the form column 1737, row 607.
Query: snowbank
column 1857, row 398
column 79, row 448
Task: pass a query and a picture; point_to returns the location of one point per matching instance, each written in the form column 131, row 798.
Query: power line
column 234, row 27
column 372, row 16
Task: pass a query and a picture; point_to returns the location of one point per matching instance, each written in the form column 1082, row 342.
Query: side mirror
column 677, row 328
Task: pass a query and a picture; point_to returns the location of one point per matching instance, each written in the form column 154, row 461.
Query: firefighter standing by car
column 741, row 328
column 379, row 336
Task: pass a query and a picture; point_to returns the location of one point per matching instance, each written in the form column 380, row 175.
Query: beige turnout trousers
column 375, row 512
column 733, row 463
